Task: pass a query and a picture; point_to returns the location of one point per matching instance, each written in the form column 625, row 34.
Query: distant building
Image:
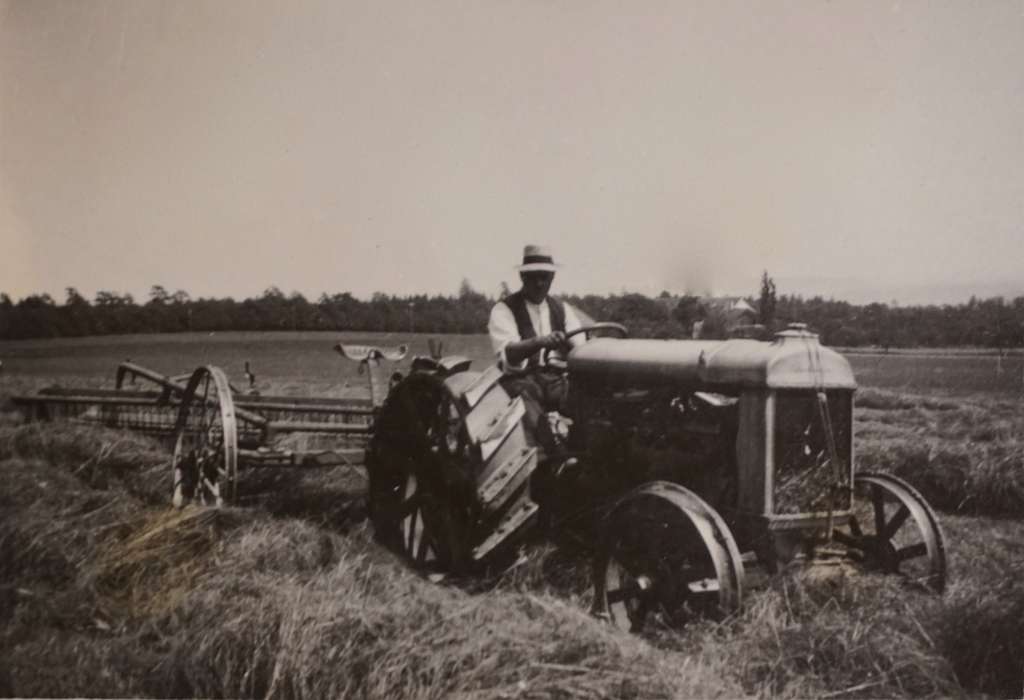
column 733, row 315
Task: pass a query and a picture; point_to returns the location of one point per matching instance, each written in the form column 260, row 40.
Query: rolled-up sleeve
column 503, row 330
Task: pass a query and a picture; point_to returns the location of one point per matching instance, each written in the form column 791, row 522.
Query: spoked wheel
column 431, row 538
column 667, row 557
column 892, row 529
column 206, row 441
column 450, row 469
column 418, row 499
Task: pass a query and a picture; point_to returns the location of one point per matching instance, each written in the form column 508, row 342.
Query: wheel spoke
column 407, row 506
column 912, row 551
column 429, row 546
column 895, row 524
column 410, row 525
column 877, row 500
column 423, row 546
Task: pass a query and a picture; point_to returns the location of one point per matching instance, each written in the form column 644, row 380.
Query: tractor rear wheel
column 449, row 471
column 666, row 557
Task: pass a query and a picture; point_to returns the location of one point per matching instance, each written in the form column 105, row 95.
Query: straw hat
column 537, row 258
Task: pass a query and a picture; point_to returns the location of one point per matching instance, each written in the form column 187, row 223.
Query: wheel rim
column 893, row 530
column 666, row 561
column 206, row 441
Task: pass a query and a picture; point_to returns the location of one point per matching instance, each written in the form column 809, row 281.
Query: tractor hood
column 794, row 360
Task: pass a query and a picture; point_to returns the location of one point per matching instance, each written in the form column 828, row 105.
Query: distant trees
column 688, row 311
column 643, row 316
column 996, row 322
column 767, row 302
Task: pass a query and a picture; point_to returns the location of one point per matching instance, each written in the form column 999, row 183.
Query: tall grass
column 105, row 591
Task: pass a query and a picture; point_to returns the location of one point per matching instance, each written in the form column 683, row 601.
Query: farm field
column 104, row 590
column 305, row 360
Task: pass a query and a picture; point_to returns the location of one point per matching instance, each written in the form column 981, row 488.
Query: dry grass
column 848, row 636
column 104, row 592
column 965, row 455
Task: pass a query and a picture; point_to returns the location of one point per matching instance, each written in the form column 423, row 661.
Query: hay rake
column 216, row 428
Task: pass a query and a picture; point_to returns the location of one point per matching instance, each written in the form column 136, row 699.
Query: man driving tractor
column 528, row 331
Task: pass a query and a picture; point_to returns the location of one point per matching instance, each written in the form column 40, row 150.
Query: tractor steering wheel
column 615, row 328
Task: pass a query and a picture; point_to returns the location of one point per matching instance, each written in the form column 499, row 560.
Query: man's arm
column 506, row 343
column 518, row 351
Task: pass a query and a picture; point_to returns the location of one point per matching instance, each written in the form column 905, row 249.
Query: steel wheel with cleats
column 667, row 557
column 449, row 470
column 417, row 506
column 205, row 462
column 893, row 530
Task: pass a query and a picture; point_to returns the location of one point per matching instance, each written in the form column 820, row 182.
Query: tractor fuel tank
column 793, row 360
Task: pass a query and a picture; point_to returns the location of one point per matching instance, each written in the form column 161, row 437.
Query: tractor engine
column 762, row 431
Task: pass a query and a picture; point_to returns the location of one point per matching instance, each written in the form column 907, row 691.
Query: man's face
column 536, row 285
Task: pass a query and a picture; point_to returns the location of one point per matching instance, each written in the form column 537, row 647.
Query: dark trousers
column 542, row 391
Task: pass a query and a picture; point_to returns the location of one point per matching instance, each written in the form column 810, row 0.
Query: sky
column 872, row 151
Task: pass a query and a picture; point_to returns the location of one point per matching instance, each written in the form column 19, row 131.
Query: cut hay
column 101, row 458
column 153, row 567
column 104, row 594
column 368, row 628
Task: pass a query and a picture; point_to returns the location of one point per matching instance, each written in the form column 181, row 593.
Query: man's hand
column 520, row 350
column 554, row 341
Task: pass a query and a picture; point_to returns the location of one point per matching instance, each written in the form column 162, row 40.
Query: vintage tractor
column 690, row 461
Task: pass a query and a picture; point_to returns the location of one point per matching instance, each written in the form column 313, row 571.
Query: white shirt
column 503, row 329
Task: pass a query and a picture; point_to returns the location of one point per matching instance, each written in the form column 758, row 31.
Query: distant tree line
column 994, row 322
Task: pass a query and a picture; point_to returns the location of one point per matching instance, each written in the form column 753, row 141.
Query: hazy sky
column 867, row 149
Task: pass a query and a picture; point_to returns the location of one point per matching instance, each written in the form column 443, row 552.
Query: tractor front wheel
column 893, row 530
column 667, row 557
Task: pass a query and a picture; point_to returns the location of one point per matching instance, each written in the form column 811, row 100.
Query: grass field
column 105, row 591
column 305, row 361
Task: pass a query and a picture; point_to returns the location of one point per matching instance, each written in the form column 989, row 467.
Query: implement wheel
column 205, row 459
column 666, row 557
column 449, row 470
column 893, row 530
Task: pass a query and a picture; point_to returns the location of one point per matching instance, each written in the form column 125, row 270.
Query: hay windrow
column 367, row 629
column 101, row 458
column 128, row 599
column 153, row 567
